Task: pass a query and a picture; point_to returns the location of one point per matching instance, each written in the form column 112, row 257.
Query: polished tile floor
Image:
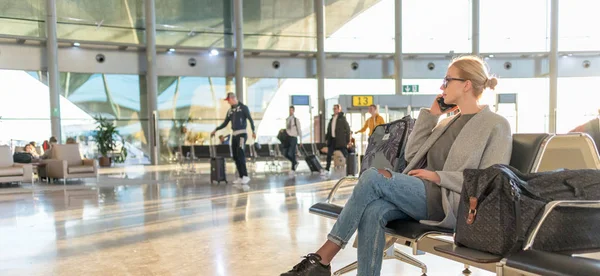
column 165, row 221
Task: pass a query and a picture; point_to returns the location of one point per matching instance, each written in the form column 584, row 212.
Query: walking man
column 294, row 131
column 338, row 135
column 237, row 115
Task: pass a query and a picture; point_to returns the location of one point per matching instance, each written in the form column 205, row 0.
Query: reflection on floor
column 157, row 221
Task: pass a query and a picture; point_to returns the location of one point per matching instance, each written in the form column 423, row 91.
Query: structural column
column 398, row 46
column 475, row 12
column 320, row 14
column 553, row 66
column 152, row 81
column 238, row 19
column 53, row 74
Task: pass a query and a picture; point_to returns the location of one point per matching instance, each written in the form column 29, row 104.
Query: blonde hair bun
column 491, row 83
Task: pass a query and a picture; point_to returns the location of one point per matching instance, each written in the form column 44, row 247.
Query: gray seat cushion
column 545, row 263
column 11, row 171
column 404, row 228
column 80, row 169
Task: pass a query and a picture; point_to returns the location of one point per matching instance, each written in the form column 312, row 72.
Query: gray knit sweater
column 484, row 141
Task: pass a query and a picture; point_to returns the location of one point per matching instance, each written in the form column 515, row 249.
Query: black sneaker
column 310, row 266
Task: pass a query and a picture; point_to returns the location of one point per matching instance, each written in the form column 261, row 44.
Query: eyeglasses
column 448, row 79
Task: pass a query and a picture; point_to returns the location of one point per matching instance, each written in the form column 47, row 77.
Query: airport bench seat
column 526, row 156
column 549, row 264
column 410, row 229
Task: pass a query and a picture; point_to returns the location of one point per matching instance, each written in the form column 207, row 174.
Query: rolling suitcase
column 351, row 164
column 217, row 167
column 217, row 170
column 313, row 161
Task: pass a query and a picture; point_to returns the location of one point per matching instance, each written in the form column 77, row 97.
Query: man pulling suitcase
column 237, row 115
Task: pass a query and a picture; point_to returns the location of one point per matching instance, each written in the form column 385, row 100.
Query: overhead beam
column 83, row 60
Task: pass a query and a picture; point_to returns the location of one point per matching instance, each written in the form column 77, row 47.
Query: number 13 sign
column 362, row 100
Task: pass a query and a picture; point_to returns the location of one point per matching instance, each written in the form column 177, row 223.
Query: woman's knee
column 376, row 213
column 374, row 174
column 385, row 173
column 369, row 178
column 366, row 178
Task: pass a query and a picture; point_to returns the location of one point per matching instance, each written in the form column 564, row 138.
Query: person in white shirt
column 294, row 131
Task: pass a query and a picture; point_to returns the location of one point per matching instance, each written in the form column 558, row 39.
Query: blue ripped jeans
column 375, row 201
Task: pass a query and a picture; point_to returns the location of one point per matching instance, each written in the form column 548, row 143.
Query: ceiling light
column 213, row 53
column 76, row 44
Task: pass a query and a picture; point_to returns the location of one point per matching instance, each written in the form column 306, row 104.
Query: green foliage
column 105, row 133
column 122, row 156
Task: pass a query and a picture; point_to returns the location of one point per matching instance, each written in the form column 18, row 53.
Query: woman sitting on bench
column 429, row 189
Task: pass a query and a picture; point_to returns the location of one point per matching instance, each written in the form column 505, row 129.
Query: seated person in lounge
column 31, row 150
column 224, row 139
column 71, row 140
column 34, row 144
column 48, row 153
column 429, row 189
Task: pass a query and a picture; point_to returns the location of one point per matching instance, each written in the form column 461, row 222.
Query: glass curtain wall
column 189, row 109
column 505, row 28
column 436, row 26
column 107, row 20
column 578, row 102
column 578, row 25
column 269, row 100
column 25, row 108
column 119, row 98
column 284, row 25
column 194, row 23
column 360, row 26
column 280, row 25
column 23, row 17
column 578, row 31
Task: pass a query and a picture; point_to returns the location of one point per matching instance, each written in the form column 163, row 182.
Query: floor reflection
column 162, row 222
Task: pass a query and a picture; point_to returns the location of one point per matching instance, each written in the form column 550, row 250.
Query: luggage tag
column 386, row 137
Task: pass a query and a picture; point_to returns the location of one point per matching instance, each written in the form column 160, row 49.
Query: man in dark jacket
column 237, row 115
column 338, row 135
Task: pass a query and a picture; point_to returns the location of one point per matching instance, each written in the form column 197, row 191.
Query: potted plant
column 105, row 134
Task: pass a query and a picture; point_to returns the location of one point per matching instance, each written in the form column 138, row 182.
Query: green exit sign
column 410, row 88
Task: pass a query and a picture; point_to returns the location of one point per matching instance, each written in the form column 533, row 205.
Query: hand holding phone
column 443, row 106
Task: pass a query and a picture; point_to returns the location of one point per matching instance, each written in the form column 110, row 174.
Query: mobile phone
column 443, row 106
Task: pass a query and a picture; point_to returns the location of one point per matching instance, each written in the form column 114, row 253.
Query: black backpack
column 387, row 144
column 22, row 157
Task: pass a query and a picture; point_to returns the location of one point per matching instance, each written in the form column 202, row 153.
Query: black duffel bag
column 499, row 207
column 283, row 137
column 22, row 157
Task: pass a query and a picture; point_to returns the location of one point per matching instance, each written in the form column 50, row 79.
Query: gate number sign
column 362, row 100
